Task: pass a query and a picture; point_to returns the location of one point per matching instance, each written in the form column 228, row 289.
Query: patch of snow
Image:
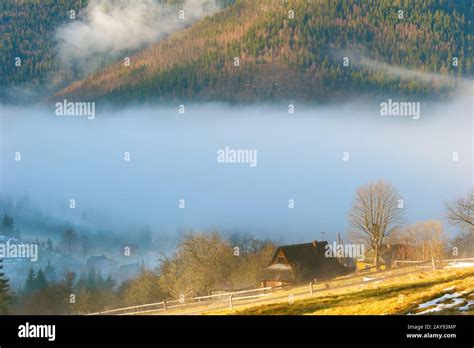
column 451, row 288
column 4, row 239
column 467, row 305
column 456, row 264
column 438, row 304
column 367, row 279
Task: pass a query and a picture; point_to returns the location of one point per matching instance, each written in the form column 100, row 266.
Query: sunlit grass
column 399, row 295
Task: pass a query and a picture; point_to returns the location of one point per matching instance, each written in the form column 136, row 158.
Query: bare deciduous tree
column 204, row 262
column 426, row 240
column 463, row 244
column 461, row 212
column 375, row 214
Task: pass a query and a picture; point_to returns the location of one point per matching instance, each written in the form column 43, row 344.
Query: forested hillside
column 290, row 49
column 30, row 63
column 300, row 57
column 28, row 34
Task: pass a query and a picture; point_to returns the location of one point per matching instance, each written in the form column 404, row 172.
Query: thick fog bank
column 171, row 171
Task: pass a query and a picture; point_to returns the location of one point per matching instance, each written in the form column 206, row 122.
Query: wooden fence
column 434, row 264
column 228, row 300
column 230, row 297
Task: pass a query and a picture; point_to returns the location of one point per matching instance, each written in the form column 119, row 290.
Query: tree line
column 203, row 262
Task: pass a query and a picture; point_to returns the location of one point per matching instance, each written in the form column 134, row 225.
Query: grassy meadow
column 381, row 296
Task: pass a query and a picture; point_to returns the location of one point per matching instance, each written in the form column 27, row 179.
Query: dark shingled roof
column 307, row 261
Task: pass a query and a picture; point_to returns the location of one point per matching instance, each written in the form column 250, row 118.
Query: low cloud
column 108, row 28
column 405, row 74
column 356, row 58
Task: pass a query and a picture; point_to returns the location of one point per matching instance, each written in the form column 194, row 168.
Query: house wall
column 274, row 283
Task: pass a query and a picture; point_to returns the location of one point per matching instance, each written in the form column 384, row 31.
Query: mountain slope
column 33, row 60
column 296, row 58
column 27, row 29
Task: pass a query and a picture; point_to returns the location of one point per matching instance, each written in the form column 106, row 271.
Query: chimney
column 315, row 243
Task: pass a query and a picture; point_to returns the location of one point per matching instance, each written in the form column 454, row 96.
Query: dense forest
column 27, row 51
column 263, row 50
column 29, row 61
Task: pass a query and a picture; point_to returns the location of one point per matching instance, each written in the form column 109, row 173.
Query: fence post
column 230, row 302
column 164, row 305
column 311, row 288
column 433, row 262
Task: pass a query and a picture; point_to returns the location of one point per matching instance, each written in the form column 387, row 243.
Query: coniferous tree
column 49, row 244
column 109, row 283
column 5, row 294
column 50, row 273
column 8, row 225
column 17, row 233
column 30, row 282
column 69, row 240
column 40, row 280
